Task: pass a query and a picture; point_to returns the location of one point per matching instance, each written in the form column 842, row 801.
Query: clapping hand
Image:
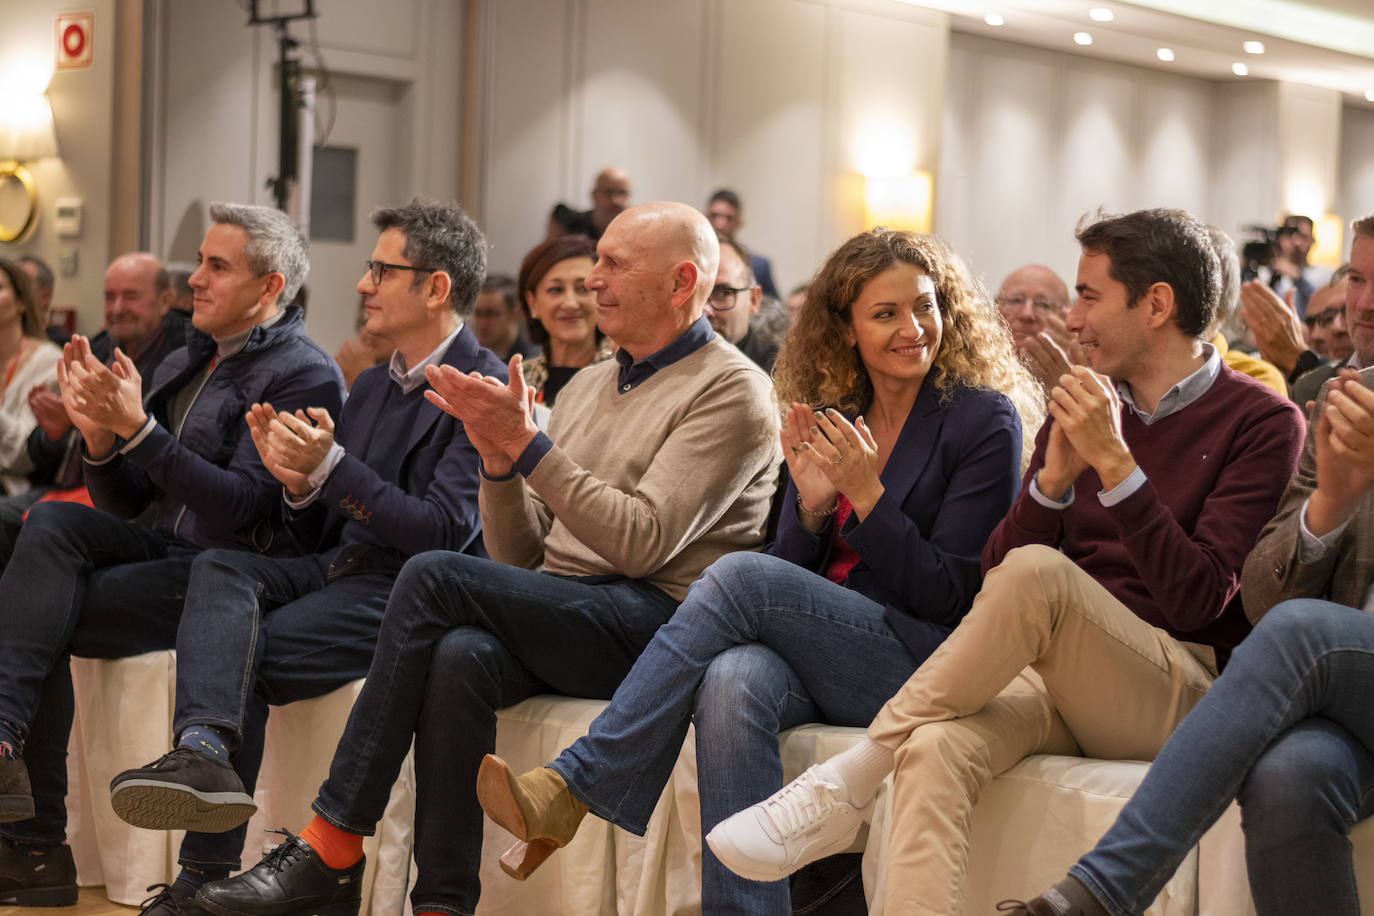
column 290, row 445
column 498, row 417
column 844, row 454
column 1087, row 433
column 48, row 410
column 1344, row 444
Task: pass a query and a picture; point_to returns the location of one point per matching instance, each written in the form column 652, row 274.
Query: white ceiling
column 1329, row 43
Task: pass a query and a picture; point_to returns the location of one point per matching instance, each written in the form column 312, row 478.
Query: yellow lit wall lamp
column 902, row 202
column 26, row 134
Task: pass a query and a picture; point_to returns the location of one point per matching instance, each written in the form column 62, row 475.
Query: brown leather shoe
column 536, row 806
column 16, row 798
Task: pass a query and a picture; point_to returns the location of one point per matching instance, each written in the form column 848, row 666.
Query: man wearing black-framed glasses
column 734, row 300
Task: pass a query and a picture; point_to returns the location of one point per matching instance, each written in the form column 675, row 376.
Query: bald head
column 1027, row 295
column 675, row 233
column 655, row 267
column 610, row 195
column 137, row 295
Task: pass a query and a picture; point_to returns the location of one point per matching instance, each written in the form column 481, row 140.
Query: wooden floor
column 92, row 902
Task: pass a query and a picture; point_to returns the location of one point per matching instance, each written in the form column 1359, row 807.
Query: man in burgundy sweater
column 1112, row 590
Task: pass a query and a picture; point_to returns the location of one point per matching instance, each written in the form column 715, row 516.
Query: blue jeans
column 263, row 630
column 80, row 582
column 758, row 646
column 463, row 637
column 1287, row 730
column 12, row 509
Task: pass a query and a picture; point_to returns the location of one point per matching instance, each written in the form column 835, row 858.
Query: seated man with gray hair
column 174, row 473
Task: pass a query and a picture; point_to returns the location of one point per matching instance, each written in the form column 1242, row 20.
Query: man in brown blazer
column 1321, row 542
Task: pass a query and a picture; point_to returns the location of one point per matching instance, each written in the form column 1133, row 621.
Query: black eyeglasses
column 378, row 270
column 722, row 298
column 1322, row 320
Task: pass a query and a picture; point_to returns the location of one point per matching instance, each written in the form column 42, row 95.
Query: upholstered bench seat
column 1031, row 824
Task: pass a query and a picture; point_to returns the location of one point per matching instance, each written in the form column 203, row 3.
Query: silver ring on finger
column 837, row 459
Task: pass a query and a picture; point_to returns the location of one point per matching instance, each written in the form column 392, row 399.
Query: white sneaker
column 807, row 819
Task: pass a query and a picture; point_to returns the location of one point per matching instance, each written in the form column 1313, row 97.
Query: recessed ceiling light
column 1253, row 47
column 1240, row 69
column 1165, row 54
column 1082, row 38
column 994, row 19
column 1100, row 14
column 1369, row 95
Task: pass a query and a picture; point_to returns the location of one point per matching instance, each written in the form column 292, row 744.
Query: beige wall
column 83, row 104
column 1035, row 139
column 768, row 97
column 396, row 71
column 1355, row 188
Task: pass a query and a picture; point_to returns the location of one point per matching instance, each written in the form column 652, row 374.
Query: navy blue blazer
column 953, row 473
column 763, row 274
column 433, row 505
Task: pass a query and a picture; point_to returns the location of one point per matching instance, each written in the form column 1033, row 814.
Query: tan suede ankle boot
column 536, row 807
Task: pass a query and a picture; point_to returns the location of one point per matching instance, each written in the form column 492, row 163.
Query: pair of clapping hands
column 1343, row 441
column 1085, row 432
column 828, row 456
column 103, row 402
column 497, row 418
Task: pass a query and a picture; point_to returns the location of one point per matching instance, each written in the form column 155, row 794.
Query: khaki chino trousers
column 1046, row 662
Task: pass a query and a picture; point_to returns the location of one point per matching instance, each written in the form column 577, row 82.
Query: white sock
column 861, row 769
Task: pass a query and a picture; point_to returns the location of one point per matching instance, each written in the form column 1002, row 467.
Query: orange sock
column 336, row 848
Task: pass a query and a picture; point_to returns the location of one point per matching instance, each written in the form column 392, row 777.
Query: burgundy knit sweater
column 1172, row 551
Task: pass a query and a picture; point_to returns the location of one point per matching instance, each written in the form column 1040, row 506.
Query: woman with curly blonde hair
column 903, row 458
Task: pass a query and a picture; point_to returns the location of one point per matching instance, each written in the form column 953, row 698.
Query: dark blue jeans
column 462, row 638
column 759, row 645
column 80, row 582
column 261, row 630
column 12, row 509
column 1287, row 730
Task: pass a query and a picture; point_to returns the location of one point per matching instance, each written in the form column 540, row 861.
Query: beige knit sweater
column 654, row 483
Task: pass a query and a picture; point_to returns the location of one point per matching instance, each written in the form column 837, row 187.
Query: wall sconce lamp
column 1326, row 251
column 26, row 135
column 904, row 202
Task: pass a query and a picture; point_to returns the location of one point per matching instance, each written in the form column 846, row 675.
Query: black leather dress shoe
column 290, row 879
column 16, row 798
column 171, row 900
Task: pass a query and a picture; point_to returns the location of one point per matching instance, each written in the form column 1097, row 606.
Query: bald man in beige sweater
column 655, row 464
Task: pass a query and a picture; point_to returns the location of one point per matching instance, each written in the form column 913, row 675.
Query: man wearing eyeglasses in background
column 735, row 299
column 1330, row 321
column 399, row 478
column 1033, row 301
